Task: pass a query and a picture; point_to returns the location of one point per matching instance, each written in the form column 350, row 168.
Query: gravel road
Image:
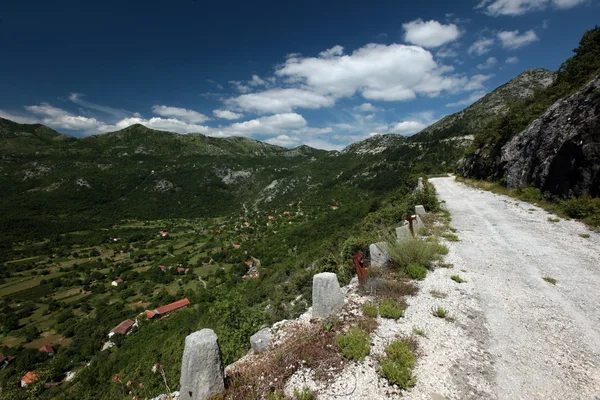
column 522, row 337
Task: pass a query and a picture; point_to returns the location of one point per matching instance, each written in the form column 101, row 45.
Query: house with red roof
column 160, row 311
column 47, row 349
column 334, row 207
column 117, row 282
column 286, row 213
column 29, row 378
column 271, row 217
column 237, row 245
column 163, row 233
column 123, row 328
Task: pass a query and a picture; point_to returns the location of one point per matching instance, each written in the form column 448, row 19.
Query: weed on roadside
column 398, row 362
column 389, row 309
column 419, row 331
column 370, row 309
column 553, row 220
column 437, row 294
column 457, row 279
column 439, row 312
column 584, row 235
column 550, row 280
column 451, row 237
column 354, row 344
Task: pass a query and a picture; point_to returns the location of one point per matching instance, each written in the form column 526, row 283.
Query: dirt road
column 524, row 338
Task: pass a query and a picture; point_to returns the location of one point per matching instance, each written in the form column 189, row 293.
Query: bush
column 389, row 309
column 354, row 344
column 416, row 271
column 398, row 363
column 370, row 310
column 414, row 251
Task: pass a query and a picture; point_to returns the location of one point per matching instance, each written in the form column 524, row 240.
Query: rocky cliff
column 560, row 151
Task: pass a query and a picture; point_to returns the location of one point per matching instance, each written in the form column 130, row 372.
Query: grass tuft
column 584, row 235
column 451, row 237
column 553, row 220
column 419, row 331
column 397, row 364
column 416, row 271
column 354, row 344
column 389, row 308
column 370, row 309
column 457, row 279
column 439, row 312
column 437, row 294
column 550, row 280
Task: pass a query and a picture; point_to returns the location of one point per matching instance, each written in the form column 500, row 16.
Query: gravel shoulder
column 533, row 340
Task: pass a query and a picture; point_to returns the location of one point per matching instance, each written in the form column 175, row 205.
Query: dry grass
column 310, row 347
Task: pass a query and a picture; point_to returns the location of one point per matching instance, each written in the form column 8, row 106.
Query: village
column 151, row 267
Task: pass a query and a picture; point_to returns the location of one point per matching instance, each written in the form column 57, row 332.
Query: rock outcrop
column 261, row 340
column 560, row 151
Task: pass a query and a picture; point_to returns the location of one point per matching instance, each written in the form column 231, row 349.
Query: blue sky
column 320, row 73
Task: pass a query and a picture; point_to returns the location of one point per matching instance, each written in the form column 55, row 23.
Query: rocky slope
column 560, row 151
column 471, row 119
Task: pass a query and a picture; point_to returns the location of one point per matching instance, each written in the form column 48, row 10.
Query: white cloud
column 162, row 124
column 240, row 87
column 489, row 63
column 379, row 72
column 256, row 81
column 447, row 53
column 21, row 119
column 61, row 119
column 512, row 60
column 481, row 46
column 513, row 40
column 370, row 117
column 367, row 107
column 407, row 128
column 226, row 114
column 429, row 34
column 273, row 124
column 115, row 112
column 323, row 145
column 477, row 81
column 336, row 50
column 469, row 100
column 184, row 114
column 280, row 100
column 520, row 7
column 284, row 141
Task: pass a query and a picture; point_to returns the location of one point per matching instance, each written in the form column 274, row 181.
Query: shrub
column 354, row 344
column 413, row 251
column 550, row 280
column 304, row 394
column 370, row 309
column 416, row 271
column 398, row 363
column 457, row 279
column 451, row 237
column 388, row 308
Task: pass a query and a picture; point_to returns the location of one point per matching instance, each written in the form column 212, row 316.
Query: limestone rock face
column 327, row 297
column 420, row 210
column 560, row 151
column 201, row 368
column 261, row 340
column 379, row 254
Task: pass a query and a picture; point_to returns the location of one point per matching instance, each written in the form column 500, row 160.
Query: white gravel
column 515, row 336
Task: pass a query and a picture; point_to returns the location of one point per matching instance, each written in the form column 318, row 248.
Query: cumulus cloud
column 184, row 114
column 280, row 100
column 284, row 141
column 407, row 128
column 256, row 81
column 447, row 53
column 429, row 34
column 334, row 51
column 379, row 72
column 481, row 46
column 61, row 119
column 226, row 114
column 21, row 119
column 367, row 107
column 513, row 40
column 512, row 60
column 489, row 63
column 273, row 124
column 469, row 100
column 520, row 7
column 240, row 86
